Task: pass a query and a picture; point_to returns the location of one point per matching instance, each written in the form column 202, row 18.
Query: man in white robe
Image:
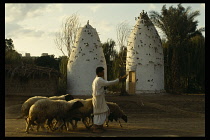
column 100, row 108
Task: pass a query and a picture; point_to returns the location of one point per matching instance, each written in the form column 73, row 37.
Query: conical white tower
column 145, row 59
column 86, row 55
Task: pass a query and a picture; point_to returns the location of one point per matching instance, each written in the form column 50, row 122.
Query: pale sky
column 32, row 27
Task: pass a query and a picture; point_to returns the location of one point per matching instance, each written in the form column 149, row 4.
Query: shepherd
column 100, row 108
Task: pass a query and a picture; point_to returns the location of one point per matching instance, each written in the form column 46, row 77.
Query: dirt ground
column 149, row 115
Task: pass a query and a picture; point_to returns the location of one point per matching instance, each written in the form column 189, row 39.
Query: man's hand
column 123, row 77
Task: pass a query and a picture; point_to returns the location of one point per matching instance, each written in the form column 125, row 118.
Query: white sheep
column 115, row 113
column 29, row 102
column 46, row 109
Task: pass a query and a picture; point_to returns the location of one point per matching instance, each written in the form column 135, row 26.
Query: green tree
column 119, row 63
column 11, row 55
column 195, row 79
column 47, row 61
column 119, row 69
column 9, row 44
column 28, row 60
column 178, row 25
column 63, row 70
column 109, row 54
column 115, row 64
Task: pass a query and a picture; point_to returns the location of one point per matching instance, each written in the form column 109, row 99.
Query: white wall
column 145, row 57
column 87, row 54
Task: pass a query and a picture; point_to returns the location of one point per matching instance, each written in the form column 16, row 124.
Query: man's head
column 100, row 71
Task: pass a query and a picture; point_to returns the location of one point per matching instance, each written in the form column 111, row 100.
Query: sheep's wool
column 144, row 61
column 86, row 55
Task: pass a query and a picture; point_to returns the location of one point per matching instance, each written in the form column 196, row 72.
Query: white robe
column 100, row 108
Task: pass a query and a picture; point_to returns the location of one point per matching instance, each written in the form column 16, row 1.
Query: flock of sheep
column 55, row 113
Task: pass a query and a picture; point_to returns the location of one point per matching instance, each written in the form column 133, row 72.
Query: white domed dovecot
column 86, row 55
column 145, row 59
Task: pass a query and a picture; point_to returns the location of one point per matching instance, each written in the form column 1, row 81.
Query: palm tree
column 178, row 25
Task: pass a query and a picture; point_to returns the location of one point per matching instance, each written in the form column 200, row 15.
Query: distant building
column 86, row 55
column 145, row 59
column 27, row 55
column 44, row 54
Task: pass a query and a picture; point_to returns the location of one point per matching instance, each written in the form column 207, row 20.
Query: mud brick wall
column 31, row 87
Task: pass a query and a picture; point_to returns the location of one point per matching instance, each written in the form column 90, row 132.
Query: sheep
column 115, row 113
column 29, row 102
column 46, row 109
column 83, row 112
column 62, row 119
column 87, row 112
column 66, row 97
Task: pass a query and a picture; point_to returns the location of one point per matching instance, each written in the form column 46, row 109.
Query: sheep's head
column 111, row 116
column 124, row 117
column 76, row 105
column 68, row 97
